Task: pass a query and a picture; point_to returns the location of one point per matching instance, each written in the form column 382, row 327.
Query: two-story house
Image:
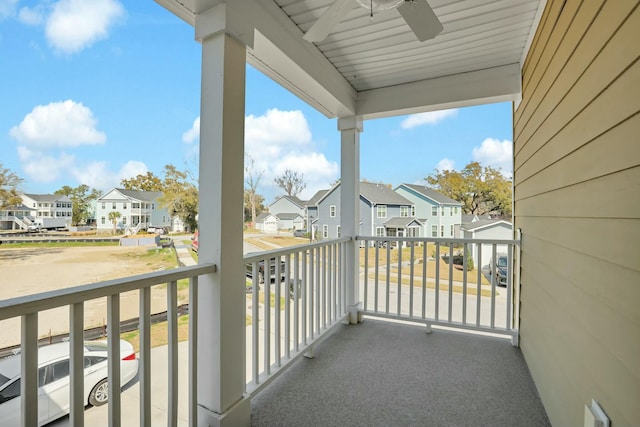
column 440, row 215
column 289, row 213
column 49, row 210
column 138, row 210
column 15, row 217
column 383, row 213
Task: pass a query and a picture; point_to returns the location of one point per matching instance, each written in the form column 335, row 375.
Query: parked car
column 299, row 233
column 501, row 266
column 53, row 380
column 272, row 271
column 33, row 228
column 194, row 242
column 157, row 230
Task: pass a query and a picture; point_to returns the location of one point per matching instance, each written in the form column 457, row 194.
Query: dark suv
column 501, row 266
column 272, row 271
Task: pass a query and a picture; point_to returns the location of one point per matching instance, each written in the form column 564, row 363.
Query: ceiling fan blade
column 421, row 19
column 329, row 19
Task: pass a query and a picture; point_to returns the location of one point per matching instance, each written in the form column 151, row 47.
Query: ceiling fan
column 417, row 14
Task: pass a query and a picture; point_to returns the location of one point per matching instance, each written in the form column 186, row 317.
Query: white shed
column 493, row 229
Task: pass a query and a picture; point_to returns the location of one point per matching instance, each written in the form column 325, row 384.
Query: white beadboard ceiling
column 376, row 67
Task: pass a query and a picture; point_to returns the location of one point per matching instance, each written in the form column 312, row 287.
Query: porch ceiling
column 377, row 68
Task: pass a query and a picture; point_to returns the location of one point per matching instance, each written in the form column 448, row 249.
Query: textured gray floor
column 388, row 374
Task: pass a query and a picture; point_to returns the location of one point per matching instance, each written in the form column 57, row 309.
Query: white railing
column 27, row 308
column 302, row 297
column 439, row 281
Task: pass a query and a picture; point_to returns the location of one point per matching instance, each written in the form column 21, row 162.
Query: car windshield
column 3, row 380
column 502, row 262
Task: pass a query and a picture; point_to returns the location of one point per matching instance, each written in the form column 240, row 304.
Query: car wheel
column 99, row 394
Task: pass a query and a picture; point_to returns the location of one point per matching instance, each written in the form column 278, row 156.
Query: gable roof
column 262, row 216
column 431, row 194
column 484, row 223
column 296, row 201
column 316, row 197
column 47, row 197
column 380, row 194
column 402, row 222
column 287, row 216
column 145, row 196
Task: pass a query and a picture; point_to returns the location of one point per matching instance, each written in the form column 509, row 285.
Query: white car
column 53, row 380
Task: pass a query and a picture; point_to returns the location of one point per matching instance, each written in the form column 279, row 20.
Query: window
column 379, row 231
column 442, row 211
column 124, row 220
column 113, row 205
column 434, row 211
column 451, row 232
column 332, row 211
column 413, row 211
column 124, row 205
column 381, row 211
column 325, row 231
column 13, row 390
column 434, row 231
column 338, row 232
column 135, row 205
column 450, row 211
column 104, row 205
column 442, row 231
column 404, row 211
column 455, row 210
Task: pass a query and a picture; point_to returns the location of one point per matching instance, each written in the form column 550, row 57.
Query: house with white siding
column 138, row 210
column 491, row 229
column 49, row 210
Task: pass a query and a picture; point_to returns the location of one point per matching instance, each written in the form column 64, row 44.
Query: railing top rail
column 438, row 240
column 257, row 256
column 19, row 306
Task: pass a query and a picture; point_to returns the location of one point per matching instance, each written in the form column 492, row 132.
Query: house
column 288, row 204
column 441, row 215
column 138, row 210
column 286, row 213
column 571, row 70
column 383, row 212
column 489, row 229
column 50, row 210
column 311, row 209
column 16, row 217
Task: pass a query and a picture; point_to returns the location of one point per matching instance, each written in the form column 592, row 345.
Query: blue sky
column 96, row 91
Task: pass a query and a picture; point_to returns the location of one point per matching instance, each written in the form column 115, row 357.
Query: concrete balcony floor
column 381, row 373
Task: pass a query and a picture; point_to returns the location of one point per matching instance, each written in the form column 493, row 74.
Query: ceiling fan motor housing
column 379, row 5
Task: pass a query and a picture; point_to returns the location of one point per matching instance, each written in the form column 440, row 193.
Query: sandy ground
column 35, row 270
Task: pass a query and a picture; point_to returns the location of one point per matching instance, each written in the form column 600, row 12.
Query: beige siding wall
column 577, row 201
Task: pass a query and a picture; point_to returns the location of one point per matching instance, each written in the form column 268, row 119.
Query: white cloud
column 429, row 118
column 7, row 8
column 192, row 134
column 446, row 165
column 58, row 124
column 31, row 16
column 98, row 175
column 76, row 24
column 44, row 167
column 495, row 153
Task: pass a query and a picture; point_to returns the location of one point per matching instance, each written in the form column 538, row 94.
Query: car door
column 10, row 413
column 55, row 388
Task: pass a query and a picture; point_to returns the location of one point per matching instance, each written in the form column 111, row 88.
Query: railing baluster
column 193, row 351
column 296, row 299
column 305, row 285
column 76, row 364
column 255, row 321
column 287, row 306
column 172, row 363
column 377, row 275
column 334, row 301
column 411, row 269
column 494, row 279
column 365, row 289
column 450, row 302
column 323, row 273
column 388, row 284
column 312, row 262
column 113, row 337
column 424, row 279
column 317, row 298
column 144, row 363
column 479, row 285
column 276, row 311
column 511, row 247
column 437, row 293
column 267, row 317
column 29, row 368
column 464, row 283
column 399, row 291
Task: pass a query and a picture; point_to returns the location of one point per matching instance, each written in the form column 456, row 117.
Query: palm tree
column 113, row 217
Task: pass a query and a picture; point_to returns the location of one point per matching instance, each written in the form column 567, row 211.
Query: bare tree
column 291, row 182
column 251, row 179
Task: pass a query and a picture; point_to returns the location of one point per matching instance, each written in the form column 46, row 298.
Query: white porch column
column 221, row 295
column 350, row 128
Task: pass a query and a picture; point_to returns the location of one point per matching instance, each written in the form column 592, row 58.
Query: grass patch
column 159, row 333
column 60, row 244
column 405, row 281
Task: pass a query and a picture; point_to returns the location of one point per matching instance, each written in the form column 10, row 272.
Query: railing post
column 350, row 128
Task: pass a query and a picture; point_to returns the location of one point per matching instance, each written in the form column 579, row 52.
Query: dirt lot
column 25, row 271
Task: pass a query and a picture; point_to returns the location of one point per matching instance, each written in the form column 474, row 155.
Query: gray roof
column 401, row 222
column 432, row 194
column 287, row 216
column 262, row 216
column 314, row 200
column 295, row 200
column 483, row 223
column 467, row 219
column 380, row 194
column 147, row 196
column 48, row 197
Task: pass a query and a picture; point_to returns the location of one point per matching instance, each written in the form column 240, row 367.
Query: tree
column 292, row 183
column 252, row 179
column 9, row 184
column 113, row 217
column 259, row 205
column 481, row 190
column 81, row 197
column 146, row 182
column 180, row 195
